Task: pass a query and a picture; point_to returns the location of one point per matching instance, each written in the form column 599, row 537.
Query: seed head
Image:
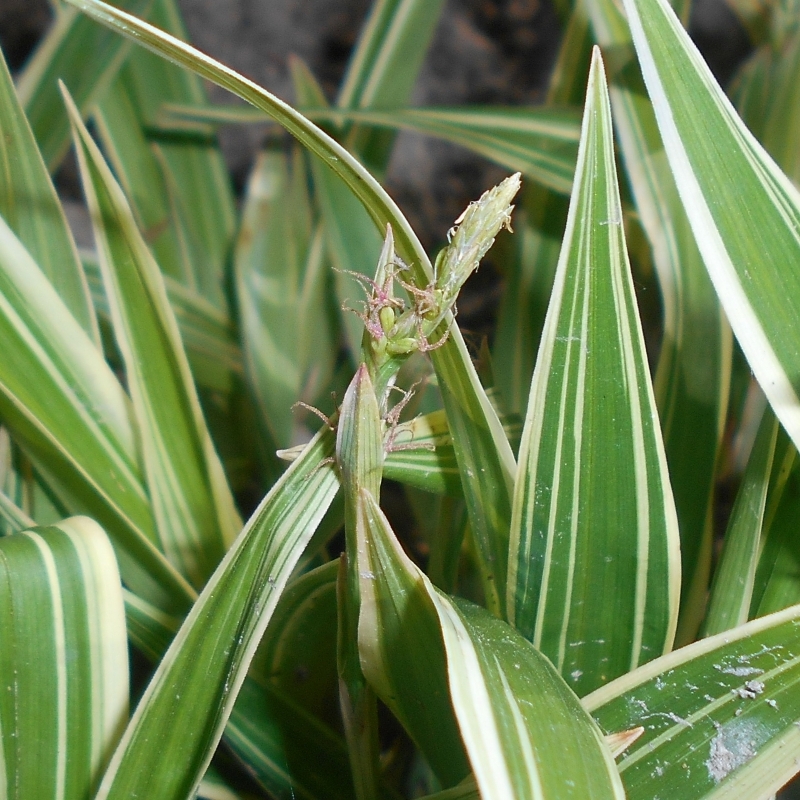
column 472, row 236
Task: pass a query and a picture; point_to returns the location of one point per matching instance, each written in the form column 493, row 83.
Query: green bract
column 527, row 606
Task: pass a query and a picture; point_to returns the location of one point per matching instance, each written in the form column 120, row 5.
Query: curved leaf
column 523, row 729
column 30, row 206
column 541, row 143
column 384, row 68
column 744, row 211
column 189, row 700
column 86, row 58
column 62, row 402
column 64, row 690
column 189, row 494
column 720, row 715
column 487, row 468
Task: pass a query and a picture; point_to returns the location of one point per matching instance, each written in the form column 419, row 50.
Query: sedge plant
column 552, row 622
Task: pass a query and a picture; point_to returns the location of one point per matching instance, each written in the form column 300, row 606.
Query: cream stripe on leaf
column 692, row 377
column 191, row 500
column 538, row 142
column 719, row 716
column 190, row 698
column 594, row 561
column 745, row 213
column 61, row 401
column 64, row 691
column 524, row 731
column 30, row 206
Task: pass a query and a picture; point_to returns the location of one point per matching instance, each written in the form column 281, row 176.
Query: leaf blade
column 742, row 208
column 190, row 497
column 70, row 687
column 721, row 706
column 563, row 594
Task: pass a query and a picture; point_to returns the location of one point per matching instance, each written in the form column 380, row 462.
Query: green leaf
column 177, row 182
column 483, row 452
column 776, row 584
column 400, row 645
column 62, row 402
column 207, row 333
column 298, row 652
column 531, row 264
column 532, row 256
column 744, row 212
column 283, row 743
column 381, row 207
column 64, row 698
column 422, row 455
column 287, row 750
column 524, row 730
column 732, row 590
column 30, row 206
column 539, row 142
column 768, row 102
column 13, row 517
column 594, row 561
column 83, row 56
column 719, row 715
column 359, row 456
column 187, row 703
column 353, row 242
column 384, row 66
column 486, row 464
column 191, row 501
column 692, row 377
column 281, row 281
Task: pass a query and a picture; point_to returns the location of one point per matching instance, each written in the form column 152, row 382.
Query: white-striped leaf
column 776, row 583
column 64, row 660
column 190, row 698
column 62, row 402
column 744, row 211
column 594, row 563
column 86, row 59
column 189, row 493
column 383, row 69
column 359, row 456
column 288, row 748
column 732, row 591
column 30, row 206
column 488, row 465
column 281, row 281
column 540, row 143
column 692, row 377
column 207, row 334
column 538, row 226
column 178, row 183
column 399, row 643
column 524, row 730
column 720, row 716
